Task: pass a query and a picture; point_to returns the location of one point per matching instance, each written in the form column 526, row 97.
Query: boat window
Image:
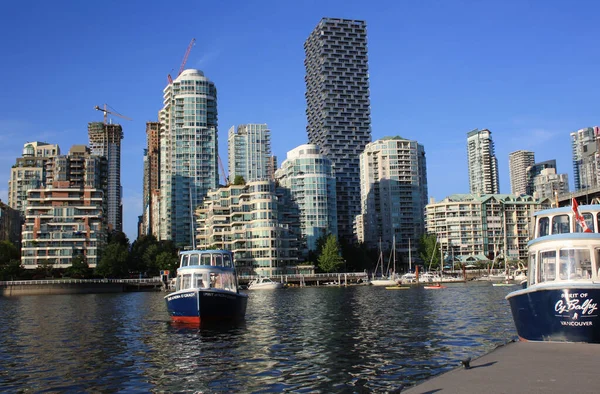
column 574, row 264
column 560, row 224
column 178, row 283
column 199, row 280
column 217, row 259
column 223, row 280
column 547, row 266
column 193, row 259
column 589, row 220
column 544, row 226
column 205, row 259
column 596, row 269
column 227, row 260
column 186, row 281
column 184, row 260
column 532, row 269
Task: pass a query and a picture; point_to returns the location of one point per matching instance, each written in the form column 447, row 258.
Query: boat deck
column 523, row 367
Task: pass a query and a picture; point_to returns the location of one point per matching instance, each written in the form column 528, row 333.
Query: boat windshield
column 564, row 264
column 215, row 259
column 206, row 279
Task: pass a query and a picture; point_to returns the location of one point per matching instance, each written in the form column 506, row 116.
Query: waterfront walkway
column 523, row 367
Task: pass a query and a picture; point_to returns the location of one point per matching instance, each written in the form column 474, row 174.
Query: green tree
column 167, row 261
column 8, row 252
column 429, row 251
column 10, row 265
column 330, row 259
column 114, row 261
column 239, row 180
column 79, row 268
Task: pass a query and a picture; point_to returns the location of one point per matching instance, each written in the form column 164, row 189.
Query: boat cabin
column 206, row 269
column 561, row 250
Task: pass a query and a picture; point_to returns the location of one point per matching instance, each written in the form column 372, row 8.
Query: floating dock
column 523, row 367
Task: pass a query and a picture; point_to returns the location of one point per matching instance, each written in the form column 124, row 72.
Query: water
column 327, row 339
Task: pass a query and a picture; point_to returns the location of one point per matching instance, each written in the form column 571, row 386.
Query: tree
column 79, row 268
column 239, row 180
column 8, row 252
column 114, row 261
column 167, row 261
column 330, row 259
column 428, row 250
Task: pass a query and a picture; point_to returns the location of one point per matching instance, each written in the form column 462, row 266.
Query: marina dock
column 523, row 367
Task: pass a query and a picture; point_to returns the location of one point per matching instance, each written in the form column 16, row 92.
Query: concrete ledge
column 523, row 367
column 61, row 288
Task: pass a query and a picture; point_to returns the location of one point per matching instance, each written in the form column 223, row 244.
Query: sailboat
column 382, row 280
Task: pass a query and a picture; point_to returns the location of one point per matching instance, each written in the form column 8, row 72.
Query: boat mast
column 409, row 257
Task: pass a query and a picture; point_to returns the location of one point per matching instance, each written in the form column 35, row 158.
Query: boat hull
column 558, row 314
column 198, row 306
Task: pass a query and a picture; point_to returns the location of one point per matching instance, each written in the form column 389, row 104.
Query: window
column 560, row 224
column 218, row 260
column 532, row 270
column 194, row 259
column 548, row 266
column 544, row 226
column 199, row 282
column 589, row 220
column 574, row 264
column 184, row 260
column 186, row 281
column 206, row 259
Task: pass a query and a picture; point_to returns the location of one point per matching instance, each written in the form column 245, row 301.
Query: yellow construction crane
column 106, row 112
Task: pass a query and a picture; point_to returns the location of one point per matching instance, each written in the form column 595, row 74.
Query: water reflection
column 351, row 339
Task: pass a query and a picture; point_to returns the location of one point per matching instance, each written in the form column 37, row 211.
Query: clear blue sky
column 527, row 70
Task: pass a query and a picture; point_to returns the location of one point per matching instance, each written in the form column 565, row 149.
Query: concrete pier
column 523, row 367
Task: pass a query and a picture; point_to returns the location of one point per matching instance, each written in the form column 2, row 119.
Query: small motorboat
column 434, row 287
column 264, row 283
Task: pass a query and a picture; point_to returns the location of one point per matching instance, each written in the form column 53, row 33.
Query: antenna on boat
column 192, row 221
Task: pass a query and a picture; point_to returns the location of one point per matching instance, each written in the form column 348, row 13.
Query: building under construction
column 105, row 140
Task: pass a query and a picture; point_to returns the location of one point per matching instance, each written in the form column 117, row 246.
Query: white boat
column 383, row 280
column 264, row 283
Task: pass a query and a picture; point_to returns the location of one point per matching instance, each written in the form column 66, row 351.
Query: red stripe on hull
column 186, row 319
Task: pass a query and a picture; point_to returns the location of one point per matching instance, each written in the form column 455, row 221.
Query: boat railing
column 69, row 281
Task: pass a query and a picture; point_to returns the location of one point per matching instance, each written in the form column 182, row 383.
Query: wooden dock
column 523, row 367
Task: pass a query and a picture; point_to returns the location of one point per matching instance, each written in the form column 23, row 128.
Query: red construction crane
column 185, row 57
column 225, row 177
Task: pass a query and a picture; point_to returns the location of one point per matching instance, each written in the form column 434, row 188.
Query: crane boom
column 187, row 53
column 106, row 112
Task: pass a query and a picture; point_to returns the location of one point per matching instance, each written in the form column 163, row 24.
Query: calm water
column 328, row 339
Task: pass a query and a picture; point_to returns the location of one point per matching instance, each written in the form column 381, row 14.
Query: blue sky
column 527, row 70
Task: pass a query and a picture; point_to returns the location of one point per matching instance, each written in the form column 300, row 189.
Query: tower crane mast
column 106, row 112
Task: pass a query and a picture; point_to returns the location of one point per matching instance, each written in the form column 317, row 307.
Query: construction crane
column 106, row 112
column 225, row 177
column 185, row 58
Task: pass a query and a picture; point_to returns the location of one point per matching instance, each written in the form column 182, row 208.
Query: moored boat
column 264, row 283
column 206, row 289
column 560, row 300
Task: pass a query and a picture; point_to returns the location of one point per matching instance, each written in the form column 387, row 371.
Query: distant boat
column 434, row 287
column 264, row 283
column 383, row 280
column 397, row 287
column 206, row 289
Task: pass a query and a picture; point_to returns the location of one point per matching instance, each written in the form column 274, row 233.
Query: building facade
column 535, row 170
column 393, row 173
column 67, row 217
column 151, row 185
column 29, row 172
column 518, row 163
column 10, row 224
column 105, row 140
column 549, row 184
column 482, row 162
column 586, row 157
column 249, row 151
column 338, row 106
column 309, row 176
column 188, row 153
column 473, row 228
column 257, row 222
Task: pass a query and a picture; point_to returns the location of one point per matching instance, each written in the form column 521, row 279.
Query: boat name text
column 588, row 306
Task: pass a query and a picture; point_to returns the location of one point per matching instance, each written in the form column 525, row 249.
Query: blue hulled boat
column 206, row 289
column 559, row 301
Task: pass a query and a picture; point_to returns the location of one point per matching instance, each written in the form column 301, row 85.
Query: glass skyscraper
column 188, row 153
column 483, row 164
column 249, row 152
column 338, row 106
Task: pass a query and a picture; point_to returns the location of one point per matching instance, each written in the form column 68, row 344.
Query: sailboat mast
column 409, row 257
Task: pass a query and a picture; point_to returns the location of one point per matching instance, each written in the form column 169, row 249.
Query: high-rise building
column 256, row 221
column 105, row 140
column 549, row 184
column 10, row 224
column 188, row 153
column 586, row 157
column 29, row 172
column 309, row 176
column 67, row 216
column 535, row 170
column 151, row 186
column 249, row 151
column 518, row 162
column 393, row 174
column 338, row 106
column 483, row 165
